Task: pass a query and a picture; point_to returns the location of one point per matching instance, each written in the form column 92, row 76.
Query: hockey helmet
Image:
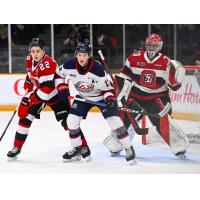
column 83, row 48
column 153, row 45
column 36, row 42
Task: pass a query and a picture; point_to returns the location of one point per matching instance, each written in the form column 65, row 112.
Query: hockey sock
column 84, row 142
column 75, row 137
column 19, row 139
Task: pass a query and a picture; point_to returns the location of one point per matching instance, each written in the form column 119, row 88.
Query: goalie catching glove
column 177, row 74
column 180, row 71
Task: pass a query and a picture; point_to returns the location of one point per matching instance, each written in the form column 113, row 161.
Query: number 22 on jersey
column 44, row 65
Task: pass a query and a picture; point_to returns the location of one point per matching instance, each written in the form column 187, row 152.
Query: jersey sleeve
column 105, row 84
column 60, row 75
column 28, row 63
column 125, row 72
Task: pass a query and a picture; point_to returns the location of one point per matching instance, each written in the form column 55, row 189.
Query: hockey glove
column 23, row 107
column 63, row 92
column 28, row 85
column 111, row 103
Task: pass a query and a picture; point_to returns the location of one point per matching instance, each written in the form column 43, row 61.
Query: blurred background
column 117, row 41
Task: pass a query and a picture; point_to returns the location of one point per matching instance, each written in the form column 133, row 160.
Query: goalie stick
column 164, row 111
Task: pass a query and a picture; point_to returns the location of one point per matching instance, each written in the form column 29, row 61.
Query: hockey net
column 186, row 109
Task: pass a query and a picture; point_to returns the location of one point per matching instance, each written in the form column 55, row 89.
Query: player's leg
column 131, row 124
column 80, row 147
column 23, row 130
column 118, row 128
column 61, row 111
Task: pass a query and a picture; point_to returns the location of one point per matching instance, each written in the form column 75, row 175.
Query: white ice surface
column 47, row 142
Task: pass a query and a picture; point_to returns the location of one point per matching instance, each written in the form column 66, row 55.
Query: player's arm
column 28, row 85
column 123, row 82
column 105, row 85
column 176, row 74
column 62, row 72
column 125, row 72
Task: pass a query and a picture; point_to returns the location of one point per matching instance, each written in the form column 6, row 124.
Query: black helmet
column 36, row 42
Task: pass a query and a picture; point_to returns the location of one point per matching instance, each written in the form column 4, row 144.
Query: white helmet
column 153, row 45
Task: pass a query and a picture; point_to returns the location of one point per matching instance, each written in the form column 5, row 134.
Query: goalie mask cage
column 185, row 106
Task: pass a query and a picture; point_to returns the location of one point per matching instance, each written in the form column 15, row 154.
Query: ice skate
column 115, row 154
column 76, row 153
column 181, row 155
column 130, row 156
column 13, row 154
column 85, row 152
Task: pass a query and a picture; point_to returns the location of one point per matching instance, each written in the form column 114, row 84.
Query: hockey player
column 148, row 76
column 40, row 83
column 88, row 77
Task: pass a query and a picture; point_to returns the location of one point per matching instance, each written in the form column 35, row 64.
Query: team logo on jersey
column 84, row 87
column 148, row 78
column 142, row 64
column 158, row 65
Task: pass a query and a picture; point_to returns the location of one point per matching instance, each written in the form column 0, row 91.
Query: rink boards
column 186, row 101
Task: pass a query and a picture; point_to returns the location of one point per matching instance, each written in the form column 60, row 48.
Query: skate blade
column 71, row 160
column 132, row 162
column 88, row 159
column 181, row 157
column 115, row 154
column 11, row 159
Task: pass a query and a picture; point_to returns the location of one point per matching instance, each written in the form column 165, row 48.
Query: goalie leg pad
column 131, row 132
column 178, row 138
column 112, row 143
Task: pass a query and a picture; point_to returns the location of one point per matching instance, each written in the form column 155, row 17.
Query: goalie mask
column 153, row 45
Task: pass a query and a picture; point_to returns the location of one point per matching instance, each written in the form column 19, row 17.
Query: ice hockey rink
column 47, row 142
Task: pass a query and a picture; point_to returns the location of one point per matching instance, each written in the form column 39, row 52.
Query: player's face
column 82, row 58
column 37, row 53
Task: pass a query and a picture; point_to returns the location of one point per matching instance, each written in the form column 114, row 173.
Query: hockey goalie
column 143, row 84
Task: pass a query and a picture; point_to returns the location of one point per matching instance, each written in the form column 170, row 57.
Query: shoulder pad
column 70, row 64
column 97, row 69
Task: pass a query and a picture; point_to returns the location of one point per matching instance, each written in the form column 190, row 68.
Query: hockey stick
column 105, row 64
column 164, row 111
column 16, row 109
